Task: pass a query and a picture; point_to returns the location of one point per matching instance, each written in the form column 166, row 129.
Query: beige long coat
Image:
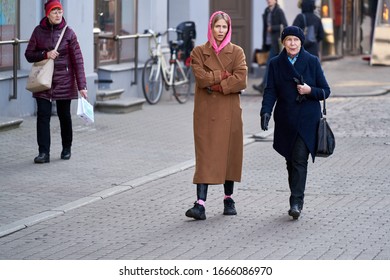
column 218, row 127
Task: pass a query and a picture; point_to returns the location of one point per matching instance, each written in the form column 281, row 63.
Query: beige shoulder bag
column 41, row 73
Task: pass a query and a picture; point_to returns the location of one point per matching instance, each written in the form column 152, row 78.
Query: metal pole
column 14, row 94
column 135, row 81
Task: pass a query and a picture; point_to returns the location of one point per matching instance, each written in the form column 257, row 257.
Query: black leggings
column 201, row 189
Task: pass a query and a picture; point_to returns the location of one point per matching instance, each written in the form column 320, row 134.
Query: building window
column 384, row 13
column 112, row 18
column 8, row 29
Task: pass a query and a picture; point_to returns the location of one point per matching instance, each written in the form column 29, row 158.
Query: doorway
column 240, row 13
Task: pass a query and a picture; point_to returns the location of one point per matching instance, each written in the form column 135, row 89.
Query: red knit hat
column 52, row 4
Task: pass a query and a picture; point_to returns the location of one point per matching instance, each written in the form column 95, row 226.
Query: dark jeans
column 43, row 123
column 297, row 172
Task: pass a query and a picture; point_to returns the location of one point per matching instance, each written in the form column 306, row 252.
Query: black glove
column 264, row 121
column 300, row 81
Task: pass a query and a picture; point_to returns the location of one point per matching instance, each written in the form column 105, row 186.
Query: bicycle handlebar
column 158, row 34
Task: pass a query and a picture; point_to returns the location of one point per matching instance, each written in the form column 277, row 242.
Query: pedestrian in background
column 68, row 78
column 296, row 83
column 309, row 18
column 274, row 21
column 220, row 73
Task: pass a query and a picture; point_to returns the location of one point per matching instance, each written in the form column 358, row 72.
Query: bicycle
column 175, row 73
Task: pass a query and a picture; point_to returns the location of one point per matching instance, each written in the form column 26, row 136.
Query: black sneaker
column 42, row 158
column 198, row 212
column 229, row 208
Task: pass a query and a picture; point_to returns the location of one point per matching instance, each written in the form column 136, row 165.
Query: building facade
column 109, row 32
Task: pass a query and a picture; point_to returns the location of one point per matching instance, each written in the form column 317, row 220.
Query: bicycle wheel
column 152, row 83
column 182, row 81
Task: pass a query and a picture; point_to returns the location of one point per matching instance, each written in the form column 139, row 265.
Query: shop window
column 328, row 22
column 114, row 18
column 8, row 27
column 384, row 18
column 381, row 42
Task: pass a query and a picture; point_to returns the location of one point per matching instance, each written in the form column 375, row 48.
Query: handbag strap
column 304, row 20
column 59, row 40
column 323, row 105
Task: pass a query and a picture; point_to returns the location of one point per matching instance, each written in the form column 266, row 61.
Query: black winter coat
column 311, row 19
column 69, row 74
column 278, row 23
column 292, row 117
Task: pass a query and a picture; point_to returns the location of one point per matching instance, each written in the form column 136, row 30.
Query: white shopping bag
column 85, row 110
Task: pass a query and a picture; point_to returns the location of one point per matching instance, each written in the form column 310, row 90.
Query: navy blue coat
column 292, row 117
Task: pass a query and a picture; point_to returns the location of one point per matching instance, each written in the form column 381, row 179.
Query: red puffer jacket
column 69, row 74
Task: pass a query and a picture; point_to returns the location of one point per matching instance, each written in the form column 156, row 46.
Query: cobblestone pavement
column 141, row 164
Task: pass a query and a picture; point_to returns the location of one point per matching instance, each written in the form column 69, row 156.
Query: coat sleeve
column 320, row 83
column 238, row 80
column 269, row 98
column 282, row 22
column 298, row 21
column 32, row 53
column 203, row 78
column 320, row 31
column 77, row 61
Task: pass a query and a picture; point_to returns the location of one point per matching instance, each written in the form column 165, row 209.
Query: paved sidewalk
column 124, row 192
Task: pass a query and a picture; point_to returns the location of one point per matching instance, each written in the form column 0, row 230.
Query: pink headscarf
column 210, row 36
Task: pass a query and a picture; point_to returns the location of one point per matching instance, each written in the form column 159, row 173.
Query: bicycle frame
column 159, row 70
column 162, row 64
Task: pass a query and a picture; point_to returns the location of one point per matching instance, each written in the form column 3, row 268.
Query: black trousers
column 297, row 172
column 43, row 123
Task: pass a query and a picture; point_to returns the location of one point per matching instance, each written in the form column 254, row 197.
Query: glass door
column 114, row 18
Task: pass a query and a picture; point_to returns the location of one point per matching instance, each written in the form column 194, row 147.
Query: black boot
column 42, row 158
column 198, row 212
column 294, row 211
column 65, row 154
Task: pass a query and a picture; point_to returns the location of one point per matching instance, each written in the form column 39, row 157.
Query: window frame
column 8, row 48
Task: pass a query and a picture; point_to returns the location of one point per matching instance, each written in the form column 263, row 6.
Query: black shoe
column 229, row 208
column 294, row 212
column 42, row 158
column 259, row 88
column 65, row 154
column 197, row 212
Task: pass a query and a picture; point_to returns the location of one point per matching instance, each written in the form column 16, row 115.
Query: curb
column 58, row 211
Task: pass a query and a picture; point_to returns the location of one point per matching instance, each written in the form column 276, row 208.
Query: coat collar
column 223, row 59
column 299, row 66
column 44, row 23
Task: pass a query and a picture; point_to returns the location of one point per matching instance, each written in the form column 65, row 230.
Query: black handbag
column 325, row 138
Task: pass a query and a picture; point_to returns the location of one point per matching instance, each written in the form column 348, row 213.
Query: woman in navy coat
column 296, row 83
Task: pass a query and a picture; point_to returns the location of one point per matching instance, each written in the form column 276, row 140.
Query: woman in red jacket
column 68, row 77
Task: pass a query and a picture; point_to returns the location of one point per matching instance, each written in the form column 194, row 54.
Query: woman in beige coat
column 221, row 73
